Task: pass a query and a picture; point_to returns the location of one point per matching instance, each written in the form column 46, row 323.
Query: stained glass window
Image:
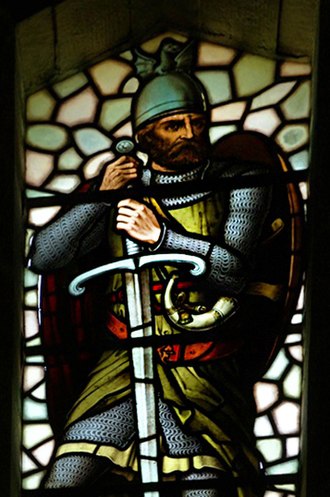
column 72, row 127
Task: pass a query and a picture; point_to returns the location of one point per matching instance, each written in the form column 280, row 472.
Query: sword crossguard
column 131, row 264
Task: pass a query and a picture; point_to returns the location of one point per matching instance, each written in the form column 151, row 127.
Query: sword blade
column 141, row 325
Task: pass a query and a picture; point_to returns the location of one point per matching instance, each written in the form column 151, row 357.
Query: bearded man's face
column 176, row 141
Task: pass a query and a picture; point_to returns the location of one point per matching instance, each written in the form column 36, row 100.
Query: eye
column 172, row 126
column 198, row 123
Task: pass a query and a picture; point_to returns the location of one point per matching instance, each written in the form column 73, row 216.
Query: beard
column 182, row 154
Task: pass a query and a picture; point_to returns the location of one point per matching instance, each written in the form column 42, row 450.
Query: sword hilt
column 132, row 264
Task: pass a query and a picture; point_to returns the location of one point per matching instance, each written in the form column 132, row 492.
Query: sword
column 140, row 325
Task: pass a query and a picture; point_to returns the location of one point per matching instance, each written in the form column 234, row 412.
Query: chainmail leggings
column 84, row 470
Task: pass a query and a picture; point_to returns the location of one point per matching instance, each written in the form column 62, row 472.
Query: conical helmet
column 166, row 94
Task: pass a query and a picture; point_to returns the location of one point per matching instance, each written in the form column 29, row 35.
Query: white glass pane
column 32, row 376
column 42, row 215
column 79, row 109
column 38, row 168
column 228, row 112
column 266, row 394
column 31, row 324
column 264, row 121
column 44, row 452
column 95, row 165
column 287, row 417
column 33, row 434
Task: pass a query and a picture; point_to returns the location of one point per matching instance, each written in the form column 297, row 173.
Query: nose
column 188, row 129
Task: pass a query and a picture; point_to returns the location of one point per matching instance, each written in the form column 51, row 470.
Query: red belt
column 180, row 353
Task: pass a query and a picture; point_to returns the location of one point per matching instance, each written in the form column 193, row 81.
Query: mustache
column 185, row 146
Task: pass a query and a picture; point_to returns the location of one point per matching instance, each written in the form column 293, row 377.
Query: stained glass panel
column 71, row 131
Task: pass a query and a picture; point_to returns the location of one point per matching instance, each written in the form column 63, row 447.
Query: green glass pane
column 65, row 183
column 115, row 111
column 34, row 411
column 34, row 343
column 39, row 106
column 297, row 106
column 252, row 73
column 292, row 383
column 78, row 109
column 39, row 359
column 271, row 449
column 131, row 85
column 90, row 141
column 33, row 481
column 277, row 368
column 69, row 160
column 37, row 193
column 217, row 132
column 47, row 136
column 300, row 160
column 288, row 467
column 293, row 136
column 127, row 55
column 70, row 85
column 30, row 278
column 109, row 75
column 217, row 85
column 273, row 95
column 263, row 427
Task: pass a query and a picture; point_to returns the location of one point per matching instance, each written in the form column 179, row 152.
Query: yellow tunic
column 207, row 399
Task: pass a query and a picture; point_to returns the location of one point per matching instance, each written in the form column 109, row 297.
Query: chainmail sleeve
column 231, row 260
column 78, row 231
